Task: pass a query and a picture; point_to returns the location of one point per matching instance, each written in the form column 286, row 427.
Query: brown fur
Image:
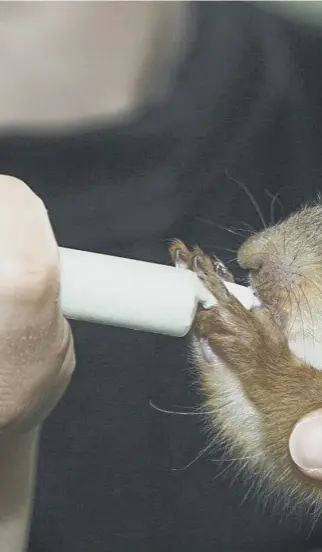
column 285, row 264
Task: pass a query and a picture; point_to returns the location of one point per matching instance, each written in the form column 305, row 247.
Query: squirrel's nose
column 251, row 255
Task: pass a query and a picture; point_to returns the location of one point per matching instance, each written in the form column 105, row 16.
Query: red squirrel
column 261, row 370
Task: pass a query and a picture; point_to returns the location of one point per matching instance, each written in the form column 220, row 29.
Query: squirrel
column 261, row 369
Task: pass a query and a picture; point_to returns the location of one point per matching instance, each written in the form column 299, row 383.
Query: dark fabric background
column 246, row 104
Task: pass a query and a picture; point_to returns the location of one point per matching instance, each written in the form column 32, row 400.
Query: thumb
column 305, row 444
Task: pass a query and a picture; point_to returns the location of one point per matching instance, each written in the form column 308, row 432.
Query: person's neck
column 64, row 63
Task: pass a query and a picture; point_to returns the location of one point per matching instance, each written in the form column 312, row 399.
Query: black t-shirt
column 246, row 107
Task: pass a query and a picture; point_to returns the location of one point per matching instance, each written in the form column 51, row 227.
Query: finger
column 36, row 349
column 205, row 269
column 48, row 380
column 222, row 271
column 179, row 254
column 305, row 444
column 29, row 268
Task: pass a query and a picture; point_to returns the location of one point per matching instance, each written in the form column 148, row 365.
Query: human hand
column 306, row 444
column 36, row 346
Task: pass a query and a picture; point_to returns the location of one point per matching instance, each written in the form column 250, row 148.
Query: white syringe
column 134, row 294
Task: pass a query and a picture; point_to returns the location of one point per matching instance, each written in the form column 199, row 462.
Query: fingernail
column 305, row 445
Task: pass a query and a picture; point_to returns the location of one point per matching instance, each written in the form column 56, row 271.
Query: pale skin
column 55, row 75
column 36, row 349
